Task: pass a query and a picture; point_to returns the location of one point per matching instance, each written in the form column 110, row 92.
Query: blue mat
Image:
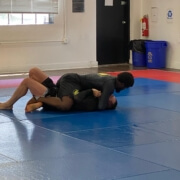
column 139, row 140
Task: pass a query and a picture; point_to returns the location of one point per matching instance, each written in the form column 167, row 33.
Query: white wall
column 23, row 47
column 162, row 29
column 135, row 16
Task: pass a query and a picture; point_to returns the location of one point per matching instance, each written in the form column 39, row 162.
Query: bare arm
column 53, row 101
column 63, row 104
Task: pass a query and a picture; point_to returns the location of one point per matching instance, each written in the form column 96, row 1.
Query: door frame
column 127, row 36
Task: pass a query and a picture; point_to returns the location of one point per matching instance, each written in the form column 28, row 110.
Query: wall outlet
column 65, row 40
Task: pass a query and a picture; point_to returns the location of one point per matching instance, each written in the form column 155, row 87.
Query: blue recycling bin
column 156, row 54
column 139, row 59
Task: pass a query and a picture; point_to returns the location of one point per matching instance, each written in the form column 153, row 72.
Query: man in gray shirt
column 61, row 96
column 71, row 83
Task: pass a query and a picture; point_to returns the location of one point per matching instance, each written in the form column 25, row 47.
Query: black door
column 112, row 32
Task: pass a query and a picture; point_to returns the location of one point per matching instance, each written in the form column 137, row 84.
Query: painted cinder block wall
column 71, row 41
column 161, row 28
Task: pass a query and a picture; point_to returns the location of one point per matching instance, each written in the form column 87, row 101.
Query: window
column 15, row 19
column 25, row 19
column 31, row 21
column 29, row 6
column 28, row 19
column 4, row 19
column 25, row 12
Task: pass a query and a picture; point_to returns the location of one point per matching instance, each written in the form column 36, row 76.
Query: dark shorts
column 68, row 85
column 52, row 91
column 48, row 83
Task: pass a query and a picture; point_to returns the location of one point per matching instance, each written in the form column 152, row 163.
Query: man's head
column 124, row 80
column 112, row 102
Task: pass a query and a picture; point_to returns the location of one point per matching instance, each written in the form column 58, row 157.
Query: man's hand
column 96, row 92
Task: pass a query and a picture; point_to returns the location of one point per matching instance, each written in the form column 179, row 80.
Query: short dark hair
column 126, row 78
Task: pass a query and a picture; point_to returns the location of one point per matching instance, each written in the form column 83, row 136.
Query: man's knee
column 26, row 81
column 33, row 71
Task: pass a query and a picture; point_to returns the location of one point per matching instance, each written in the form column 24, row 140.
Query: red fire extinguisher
column 145, row 26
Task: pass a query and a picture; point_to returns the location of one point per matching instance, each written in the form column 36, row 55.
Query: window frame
column 23, row 20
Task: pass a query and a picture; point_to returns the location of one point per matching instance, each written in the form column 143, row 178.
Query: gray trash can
column 138, row 52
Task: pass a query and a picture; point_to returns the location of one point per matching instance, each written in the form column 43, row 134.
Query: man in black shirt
column 71, row 83
column 86, row 100
column 61, row 95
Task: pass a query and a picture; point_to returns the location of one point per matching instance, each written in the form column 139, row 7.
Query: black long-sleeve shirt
column 85, row 101
column 102, row 82
column 70, row 82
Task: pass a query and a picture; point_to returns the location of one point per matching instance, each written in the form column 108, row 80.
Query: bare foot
column 5, row 106
column 33, row 106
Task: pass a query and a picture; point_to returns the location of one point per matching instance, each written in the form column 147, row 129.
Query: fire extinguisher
column 145, row 26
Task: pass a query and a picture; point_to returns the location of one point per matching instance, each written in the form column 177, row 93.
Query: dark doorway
column 112, row 31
